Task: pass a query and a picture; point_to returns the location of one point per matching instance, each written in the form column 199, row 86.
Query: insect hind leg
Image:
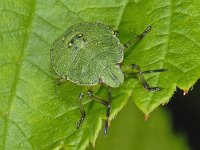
column 105, row 103
column 142, row 79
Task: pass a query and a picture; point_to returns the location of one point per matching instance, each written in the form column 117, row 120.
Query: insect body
column 88, row 53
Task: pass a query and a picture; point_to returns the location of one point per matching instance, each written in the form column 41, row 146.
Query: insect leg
column 108, row 110
column 83, row 114
column 142, row 79
column 141, row 36
column 153, row 71
column 148, row 71
column 105, row 103
column 116, row 32
column 138, row 38
column 60, row 81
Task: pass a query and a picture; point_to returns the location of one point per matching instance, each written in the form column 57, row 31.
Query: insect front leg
column 83, row 114
column 105, row 103
column 138, row 38
column 61, row 80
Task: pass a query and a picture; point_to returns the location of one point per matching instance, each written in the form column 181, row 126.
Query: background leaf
column 36, row 113
column 129, row 132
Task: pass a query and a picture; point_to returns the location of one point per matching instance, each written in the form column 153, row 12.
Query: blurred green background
column 129, row 131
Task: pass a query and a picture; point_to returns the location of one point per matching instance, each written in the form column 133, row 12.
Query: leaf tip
column 185, row 91
column 146, row 117
column 93, row 144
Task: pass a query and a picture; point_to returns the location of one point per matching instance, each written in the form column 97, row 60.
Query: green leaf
column 172, row 44
column 36, row 113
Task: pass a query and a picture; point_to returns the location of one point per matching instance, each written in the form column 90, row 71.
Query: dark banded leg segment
column 108, row 110
column 142, row 79
column 83, row 114
column 105, row 103
column 138, row 38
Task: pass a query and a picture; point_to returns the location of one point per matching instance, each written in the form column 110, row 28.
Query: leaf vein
column 14, row 87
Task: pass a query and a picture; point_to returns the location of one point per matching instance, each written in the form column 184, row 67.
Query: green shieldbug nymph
column 89, row 53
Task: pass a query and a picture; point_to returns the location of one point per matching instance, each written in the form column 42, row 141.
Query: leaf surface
column 36, row 113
